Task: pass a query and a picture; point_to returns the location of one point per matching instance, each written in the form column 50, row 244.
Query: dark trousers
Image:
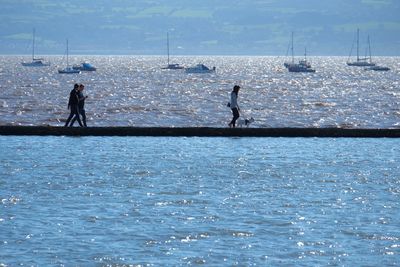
column 83, row 114
column 235, row 113
column 75, row 114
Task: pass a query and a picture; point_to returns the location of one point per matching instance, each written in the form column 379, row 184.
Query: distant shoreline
column 198, row 132
column 188, row 55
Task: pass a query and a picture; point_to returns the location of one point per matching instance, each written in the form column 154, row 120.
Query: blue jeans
column 74, row 113
column 83, row 114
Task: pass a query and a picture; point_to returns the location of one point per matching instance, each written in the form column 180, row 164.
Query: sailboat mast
column 292, row 50
column 67, row 55
column 168, row 47
column 358, row 45
column 369, row 50
column 33, row 44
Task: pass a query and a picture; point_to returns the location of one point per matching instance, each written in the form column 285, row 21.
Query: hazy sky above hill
column 233, row 27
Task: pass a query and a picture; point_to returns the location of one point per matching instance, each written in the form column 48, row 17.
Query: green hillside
column 199, row 27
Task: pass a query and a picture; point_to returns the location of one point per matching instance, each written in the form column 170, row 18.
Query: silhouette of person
column 81, row 106
column 73, row 106
column 234, row 106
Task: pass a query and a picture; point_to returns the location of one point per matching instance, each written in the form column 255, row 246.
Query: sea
column 200, row 201
column 136, row 91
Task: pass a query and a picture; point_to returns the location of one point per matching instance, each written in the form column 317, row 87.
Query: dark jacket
column 73, row 98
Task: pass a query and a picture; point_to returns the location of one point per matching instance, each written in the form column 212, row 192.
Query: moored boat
column 36, row 62
column 173, row 67
column 302, row 66
column 378, row 68
column 84, row 67
column 170, row 66
column 361, row 61
column 68, row 69
column 200, row 68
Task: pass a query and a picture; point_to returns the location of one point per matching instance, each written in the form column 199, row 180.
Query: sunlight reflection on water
column 118, row 201
column 135, row 91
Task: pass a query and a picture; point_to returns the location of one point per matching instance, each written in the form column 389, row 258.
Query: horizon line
column 188, row 55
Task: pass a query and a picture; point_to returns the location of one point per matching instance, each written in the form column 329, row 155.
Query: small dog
column 245, row 122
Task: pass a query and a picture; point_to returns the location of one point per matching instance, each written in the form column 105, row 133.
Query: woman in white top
column 234, row 106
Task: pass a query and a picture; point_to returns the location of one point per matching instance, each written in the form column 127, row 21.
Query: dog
column 245, row 122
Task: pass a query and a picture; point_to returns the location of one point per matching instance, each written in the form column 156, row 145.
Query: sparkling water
column 136, row 91
column 146, row 201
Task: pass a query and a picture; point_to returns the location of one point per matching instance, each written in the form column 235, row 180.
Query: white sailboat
column 68, row 69
column 171, row 66
column 361, row 61
column 36, row 62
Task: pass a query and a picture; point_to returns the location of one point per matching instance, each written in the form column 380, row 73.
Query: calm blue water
column 119, row 201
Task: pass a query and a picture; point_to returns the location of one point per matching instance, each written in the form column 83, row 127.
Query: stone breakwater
column 199, row 131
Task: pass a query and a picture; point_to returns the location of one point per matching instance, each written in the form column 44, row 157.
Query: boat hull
column 35, row 64
column 199, row 71
column 84, row 67
column 173, row 67
column 360, row 64
column 302, row 66
column 200, row 68
column 378, row 68
column 297, row 69
column 68, row 71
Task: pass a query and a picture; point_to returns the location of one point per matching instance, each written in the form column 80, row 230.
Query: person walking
column 233, row 104
column 81, row 106
column 73, row 105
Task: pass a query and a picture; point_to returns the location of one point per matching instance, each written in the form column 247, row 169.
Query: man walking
column 81, row 106
column 73, row 106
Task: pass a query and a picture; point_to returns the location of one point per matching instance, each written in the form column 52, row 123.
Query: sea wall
column 199, row 131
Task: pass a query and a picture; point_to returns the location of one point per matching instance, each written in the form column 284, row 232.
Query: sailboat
column 171, row 66
column 378, row 68
column 36, row 62
column 200, row 68
column 68, row 69
column 302, row 66
column 361, row 62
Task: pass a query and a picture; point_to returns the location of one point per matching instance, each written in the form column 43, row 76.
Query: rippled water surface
column 114, row 201
column 135, row 91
